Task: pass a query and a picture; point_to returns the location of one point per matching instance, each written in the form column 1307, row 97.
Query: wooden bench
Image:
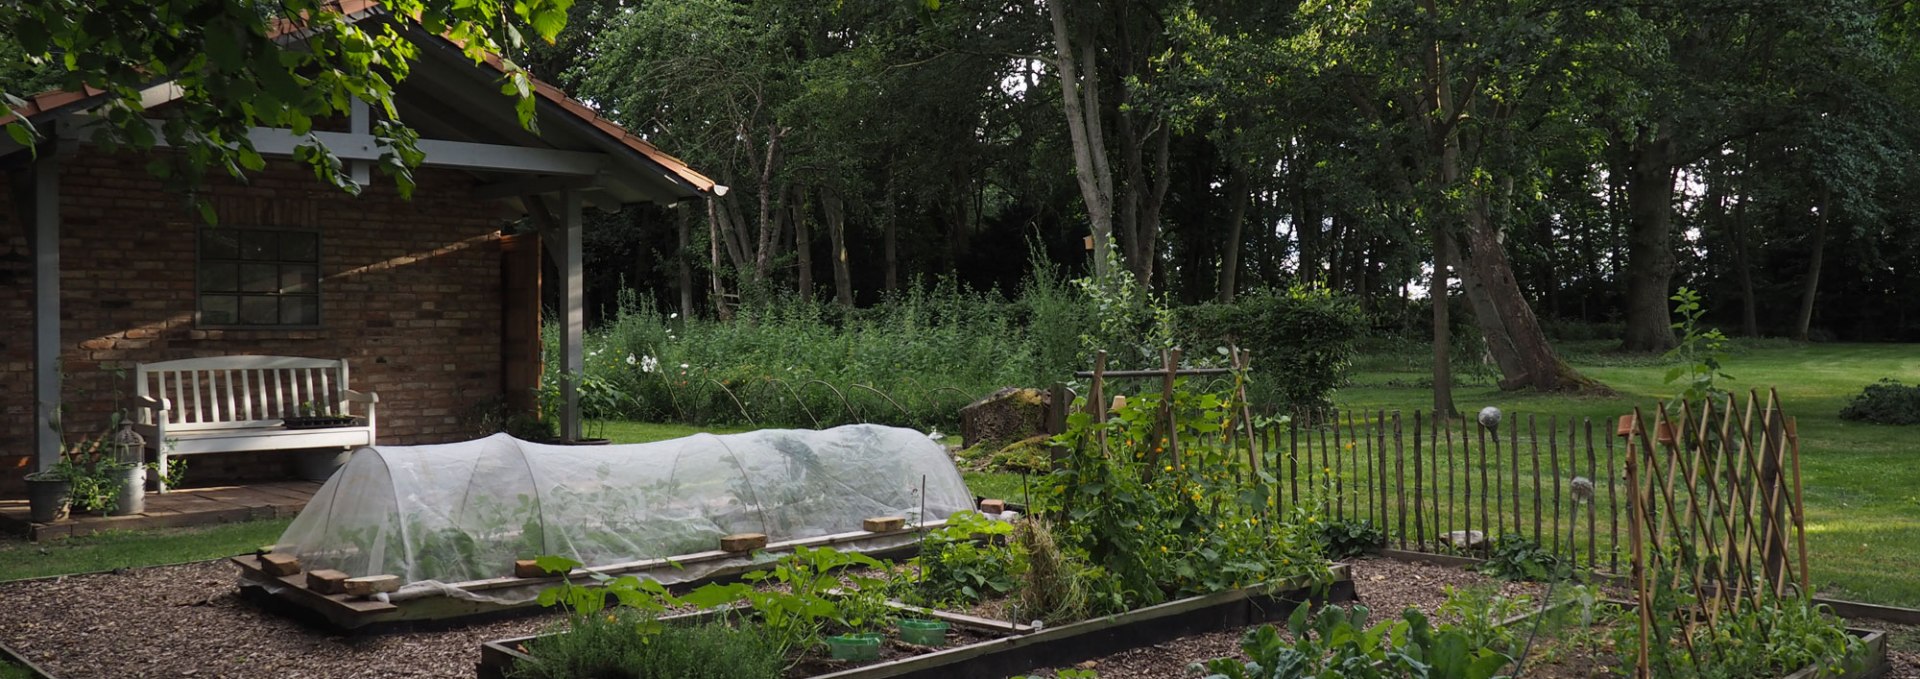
column 237, row 403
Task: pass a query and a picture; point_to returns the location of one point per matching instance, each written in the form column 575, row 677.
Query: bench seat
column 229, row 404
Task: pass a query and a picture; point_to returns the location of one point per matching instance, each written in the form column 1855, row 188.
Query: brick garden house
column 102, row 267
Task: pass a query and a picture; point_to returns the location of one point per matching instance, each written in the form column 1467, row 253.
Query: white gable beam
column 439, row 152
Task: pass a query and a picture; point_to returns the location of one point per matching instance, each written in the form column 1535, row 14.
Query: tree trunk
column 890, row 244
column 836, row 213
column 1230, row 249
column 1538, row 366
column 1742, row 266
column 1815, row 255
column 802, row 242
column 1082, row 103
column 1442, row 327
column 1649, row 248
column 716, row 283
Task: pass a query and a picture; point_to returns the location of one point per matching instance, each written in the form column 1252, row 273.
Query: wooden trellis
column 1716, row 510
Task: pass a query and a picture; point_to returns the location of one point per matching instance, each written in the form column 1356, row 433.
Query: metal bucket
column 49, row 501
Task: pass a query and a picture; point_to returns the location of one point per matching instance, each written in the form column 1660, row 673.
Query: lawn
column 108, row 551
column 1862, row 481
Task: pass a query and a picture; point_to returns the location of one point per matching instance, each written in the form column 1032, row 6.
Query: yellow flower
column 1163, row 549
column 1169, row 467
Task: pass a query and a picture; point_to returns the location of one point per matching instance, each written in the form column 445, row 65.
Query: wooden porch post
column 42, row 213
column 574, row 316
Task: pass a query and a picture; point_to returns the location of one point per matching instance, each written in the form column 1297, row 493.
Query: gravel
column 188, row 621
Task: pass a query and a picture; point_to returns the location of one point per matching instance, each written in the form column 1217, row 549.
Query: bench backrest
column 243, row 391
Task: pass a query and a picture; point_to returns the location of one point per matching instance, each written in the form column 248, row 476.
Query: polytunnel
column 441, row 515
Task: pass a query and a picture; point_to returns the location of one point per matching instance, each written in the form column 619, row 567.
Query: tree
column 274, row 63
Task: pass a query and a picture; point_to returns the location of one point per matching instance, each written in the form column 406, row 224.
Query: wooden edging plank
column 338, row 608
column 1212, row 611
column 9, row 655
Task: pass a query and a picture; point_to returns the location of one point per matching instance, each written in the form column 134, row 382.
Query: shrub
column 1885, row 402
column 618, row 645
column 1303, row 339
column 1517, row 557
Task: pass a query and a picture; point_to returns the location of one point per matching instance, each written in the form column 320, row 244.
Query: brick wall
column 409, row 295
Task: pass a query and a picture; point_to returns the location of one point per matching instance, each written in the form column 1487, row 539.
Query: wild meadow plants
column 916, row 358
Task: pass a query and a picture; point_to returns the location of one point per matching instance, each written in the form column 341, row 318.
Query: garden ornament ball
column 1582, row 489
column 1490, row 418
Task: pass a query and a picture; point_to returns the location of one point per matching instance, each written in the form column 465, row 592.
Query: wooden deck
column 184, row 507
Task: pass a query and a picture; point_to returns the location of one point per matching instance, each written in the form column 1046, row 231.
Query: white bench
column 236, row 403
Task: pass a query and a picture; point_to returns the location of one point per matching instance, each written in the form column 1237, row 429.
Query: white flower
column 649, row 364
column 673, row 315
column 936, row 435
column 631, row 360
column 683, row 366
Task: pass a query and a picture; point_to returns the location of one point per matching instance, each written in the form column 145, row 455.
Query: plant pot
column 923, row 632
column 131, row 487
column 49, row 500
column 854, row 646
column 319, row 465
column 319, row 421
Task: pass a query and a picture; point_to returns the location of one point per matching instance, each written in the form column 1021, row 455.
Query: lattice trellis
column 1716, row 510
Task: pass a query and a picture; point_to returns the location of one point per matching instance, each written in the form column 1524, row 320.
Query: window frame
column 200, row 262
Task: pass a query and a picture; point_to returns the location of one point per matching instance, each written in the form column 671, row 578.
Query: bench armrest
column 158, row 405
column 352, row 396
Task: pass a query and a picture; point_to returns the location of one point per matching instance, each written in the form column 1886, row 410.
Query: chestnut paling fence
column 1456, row 484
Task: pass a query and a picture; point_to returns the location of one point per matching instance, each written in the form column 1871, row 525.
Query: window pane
column 299, row 247
column 259, row 310
column 218, row 243
column 259, row 245
column 299, row 310
column 219, row 277
column 219, row 310
column 259, row 278
column 297, row 279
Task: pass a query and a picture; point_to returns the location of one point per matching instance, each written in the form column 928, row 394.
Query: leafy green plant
column 1482, row 613
column 1337, row 643
column 1348, row 538
column 1884, row 402
column 1517, row 557
column 969, row 559
column 1308, row 334
column 1701, row 352
column 799, row 610
column 1776, row 637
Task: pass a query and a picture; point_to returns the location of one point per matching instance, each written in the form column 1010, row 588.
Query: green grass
column 11, row 671
column 1862, row 481
column 108, row 551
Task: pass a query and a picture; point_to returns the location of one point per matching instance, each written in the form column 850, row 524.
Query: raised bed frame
column 1029, row 648
column 10, row 656
column 350, row 613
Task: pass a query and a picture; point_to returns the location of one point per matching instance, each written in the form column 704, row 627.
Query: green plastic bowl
column 854, row 646
column 923, row 632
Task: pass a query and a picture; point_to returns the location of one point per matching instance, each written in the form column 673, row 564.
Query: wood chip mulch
column 189, row 621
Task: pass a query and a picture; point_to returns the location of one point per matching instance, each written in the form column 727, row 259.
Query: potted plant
column 50, row 493
column 315, row 415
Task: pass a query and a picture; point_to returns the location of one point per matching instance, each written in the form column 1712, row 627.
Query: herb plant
column 1517, row 557
column 1348, row 538
column 1336, row 642
column 969, row 559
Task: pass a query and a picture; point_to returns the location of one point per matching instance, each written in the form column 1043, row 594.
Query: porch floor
column 183, row 507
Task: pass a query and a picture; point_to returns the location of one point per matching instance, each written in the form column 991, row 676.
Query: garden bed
column 1576, row 651
column 1020, row 648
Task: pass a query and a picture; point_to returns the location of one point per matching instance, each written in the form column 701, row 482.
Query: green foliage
column 1337, row 643
column 627, row 644
column 233, row 73
column 1884, row 402
column 1700, row 352
column 1159, row 525
column 1348, row 538
column 797, row 611
column 969, row 559
column 1776, row 637
column 1303, row 339
column 1517, row 557
column 1482, row 613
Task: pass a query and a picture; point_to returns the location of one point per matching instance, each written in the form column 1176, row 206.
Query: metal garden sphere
column 1582, row 489
column 1490, row 417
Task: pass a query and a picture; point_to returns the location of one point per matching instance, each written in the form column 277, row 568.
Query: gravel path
column 188, row 621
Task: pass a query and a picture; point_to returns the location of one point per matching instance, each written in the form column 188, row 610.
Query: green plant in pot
column 50, row 492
